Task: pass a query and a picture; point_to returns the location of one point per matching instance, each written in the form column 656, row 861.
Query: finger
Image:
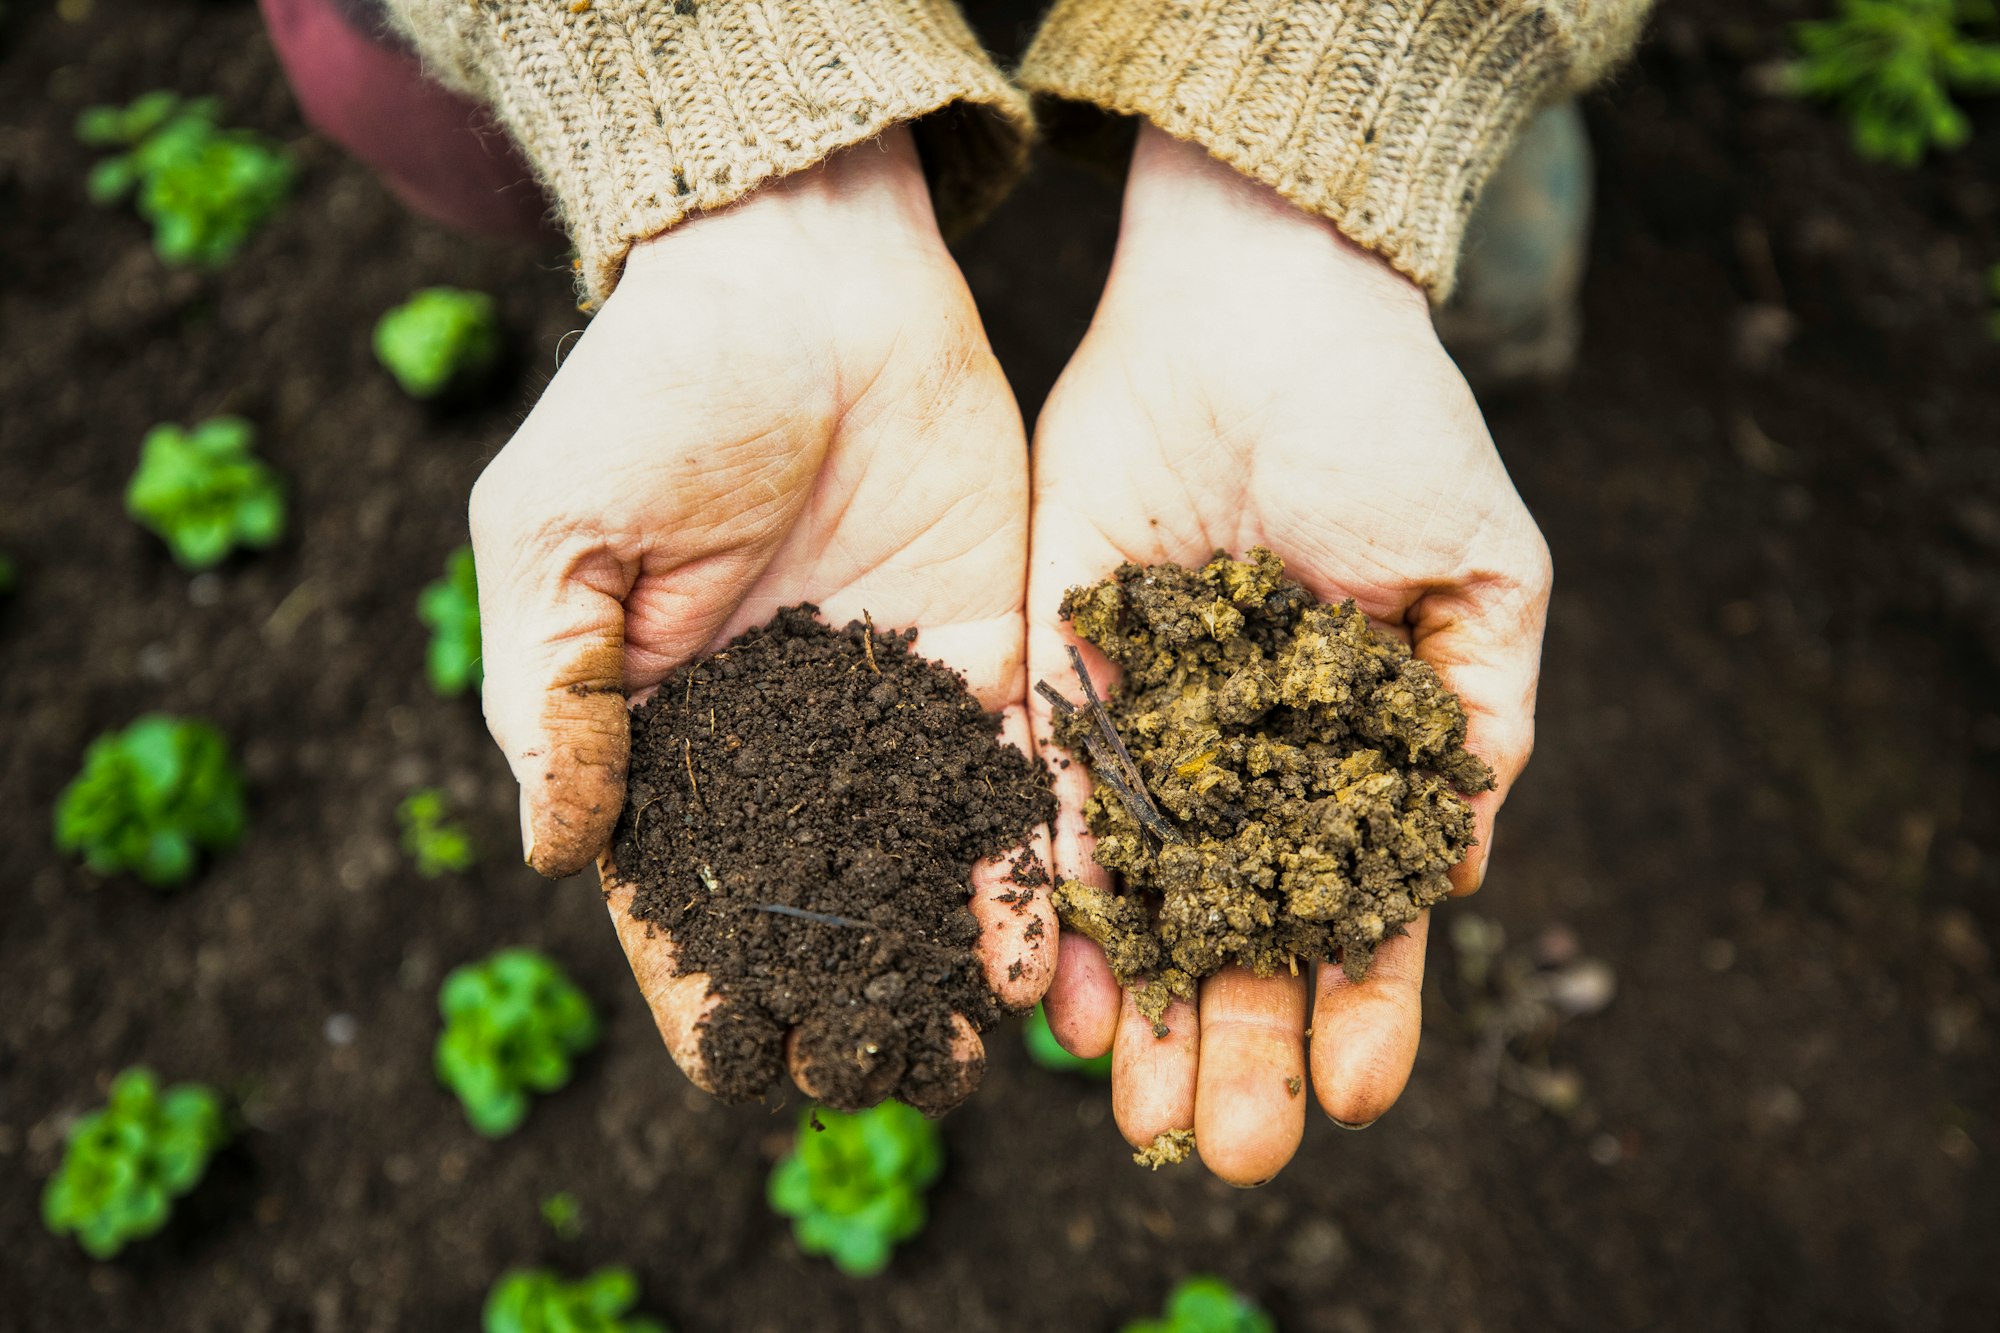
column 1153, row 1077
column 1364, row 1035
column 553, row 648
column 1084, row 998
column 1011, row 902
column 1250, row 1106
column 1484, row 639
column 680, row 1003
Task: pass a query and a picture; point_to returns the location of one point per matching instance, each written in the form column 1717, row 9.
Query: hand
column 1252, row 377
column 791, row 399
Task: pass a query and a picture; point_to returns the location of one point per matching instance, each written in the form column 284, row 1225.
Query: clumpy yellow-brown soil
column 1277, row 781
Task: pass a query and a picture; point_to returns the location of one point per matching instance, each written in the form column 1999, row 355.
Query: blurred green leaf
column 126, row 1163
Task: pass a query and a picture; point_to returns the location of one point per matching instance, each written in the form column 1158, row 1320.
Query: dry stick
column 687, row 756
column 868, row 639
column 1109, row 757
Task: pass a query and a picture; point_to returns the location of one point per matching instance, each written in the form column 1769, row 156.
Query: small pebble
column 342, row 1029
column 1606, row 1150
column 205, row 589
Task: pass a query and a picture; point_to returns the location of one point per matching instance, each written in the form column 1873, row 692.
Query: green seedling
column 451, row 608
column 205, row 189
column 436, row 846
column 1206, row 1305
column 441, row 338
column 512, row 1025
column 151, row 798
column 854, row 1185
column 1891, row 66
column 204, row 493
column 535, row 1300
column 563, row 1215
column 130, row 1159
column 1046, row 1051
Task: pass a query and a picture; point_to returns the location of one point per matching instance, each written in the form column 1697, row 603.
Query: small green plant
column 512, row 1024
column 1046, row 1051
column 205, row 189
column 854, row 1185
column 451, row 608
column 1892, row 65
column 535, row 1300
column 204, row 493
column 439, row 339
column 151, row 798
column 130, row 1159
column 437, row 847
column 1206, row 1305
column 563, row 1215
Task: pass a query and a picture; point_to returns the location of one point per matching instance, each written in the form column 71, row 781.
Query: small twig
column 687, row 756
column 868, row 639
column 824, row 918
column 1109, row 758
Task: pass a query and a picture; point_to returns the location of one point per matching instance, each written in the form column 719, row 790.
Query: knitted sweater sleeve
column 637, row 113
column 1383, row 116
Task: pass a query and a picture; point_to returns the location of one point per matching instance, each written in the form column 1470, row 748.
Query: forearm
column 1383, row 116
column 639, row 113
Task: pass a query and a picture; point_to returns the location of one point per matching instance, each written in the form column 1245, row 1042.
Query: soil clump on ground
column 1275, row 780
column 803, row 814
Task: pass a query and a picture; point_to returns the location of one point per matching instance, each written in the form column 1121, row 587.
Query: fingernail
column 1252, row 1185
column 527, row 830
column 1345, row 1125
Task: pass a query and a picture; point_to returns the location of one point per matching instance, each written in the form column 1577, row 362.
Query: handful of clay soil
column 1274, row 780
column 803, row 813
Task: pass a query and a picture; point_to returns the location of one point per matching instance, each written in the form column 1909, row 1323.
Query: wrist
column 1191, row 218
column 871, row 197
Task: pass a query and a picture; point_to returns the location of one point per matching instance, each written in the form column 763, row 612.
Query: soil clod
column 829, row 792
column 1306, row 773
column 1169, row 1148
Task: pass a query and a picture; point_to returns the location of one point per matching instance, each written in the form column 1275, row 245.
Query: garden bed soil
column 802, row 817
column 1767, row 762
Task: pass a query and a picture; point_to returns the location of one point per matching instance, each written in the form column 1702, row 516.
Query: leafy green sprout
column 128, row 1161
column 437, row 846
column 204, row 189
column 441, row 338
column 854, row 1185
column 1046, row 1051
column 1891, row 66
column 1205, row 1305
column 535, row 1300
column 150, row 799
column 513, row 1024
column 204, row 492
column 563, row 1215
column 451, row 608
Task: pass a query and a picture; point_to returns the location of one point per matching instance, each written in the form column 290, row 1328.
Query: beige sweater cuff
column 637, row 113
column 1383, row 116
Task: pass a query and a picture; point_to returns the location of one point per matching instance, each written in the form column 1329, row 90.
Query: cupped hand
column 1252, row 378
column 788, row 400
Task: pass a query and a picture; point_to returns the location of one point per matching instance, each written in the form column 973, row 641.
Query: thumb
column 553, row 644
column 1484, row 639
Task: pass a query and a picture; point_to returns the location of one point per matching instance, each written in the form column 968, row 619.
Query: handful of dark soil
column 1274, row 780
column 803, row 813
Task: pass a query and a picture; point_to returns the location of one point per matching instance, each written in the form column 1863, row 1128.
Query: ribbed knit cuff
column 637, row 113
column 1383, row 116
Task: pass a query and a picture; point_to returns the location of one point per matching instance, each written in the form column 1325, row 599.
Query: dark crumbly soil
column 1299, row 777
column 1767, row 717
column 803, row 814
